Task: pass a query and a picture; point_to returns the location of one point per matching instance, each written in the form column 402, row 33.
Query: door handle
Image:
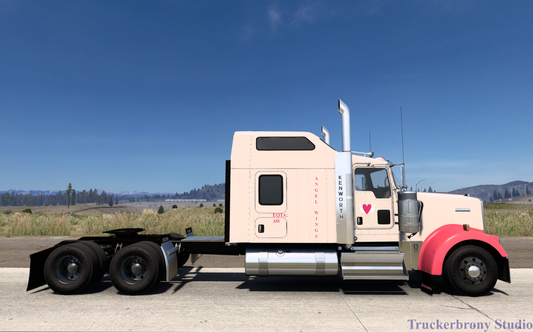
column 359, row 220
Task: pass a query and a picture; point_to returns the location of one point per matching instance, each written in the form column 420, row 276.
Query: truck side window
column 270, row 189
column 373, row 179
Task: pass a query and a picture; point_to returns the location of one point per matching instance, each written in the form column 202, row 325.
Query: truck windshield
column 396, row 181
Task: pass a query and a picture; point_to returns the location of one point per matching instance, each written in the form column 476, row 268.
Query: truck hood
column 442, row 209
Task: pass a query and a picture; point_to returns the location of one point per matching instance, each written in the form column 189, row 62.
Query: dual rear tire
column 137, row 268
column 73, row 267
column 134, row 269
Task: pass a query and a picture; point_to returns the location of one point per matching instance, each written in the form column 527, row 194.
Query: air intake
column 325, row 134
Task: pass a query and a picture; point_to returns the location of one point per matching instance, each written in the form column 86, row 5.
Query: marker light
column 466, row 227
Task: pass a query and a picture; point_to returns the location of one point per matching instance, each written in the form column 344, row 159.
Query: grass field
column 500, row 219
column 204, row 221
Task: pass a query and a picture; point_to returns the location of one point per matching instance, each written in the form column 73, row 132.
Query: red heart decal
column 367, row 207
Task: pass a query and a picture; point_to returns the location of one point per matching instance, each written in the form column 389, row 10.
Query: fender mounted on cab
column 443, row 240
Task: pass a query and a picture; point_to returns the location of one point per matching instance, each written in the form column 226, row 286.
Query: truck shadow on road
column 300, row 283
column 284, row 284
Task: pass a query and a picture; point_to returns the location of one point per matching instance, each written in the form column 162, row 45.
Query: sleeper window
column 270, row 190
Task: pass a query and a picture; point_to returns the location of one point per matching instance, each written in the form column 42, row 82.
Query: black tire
column 69, row 268
column 134, row 269
column 471, row 270
column 100, row 261
column 160, row 258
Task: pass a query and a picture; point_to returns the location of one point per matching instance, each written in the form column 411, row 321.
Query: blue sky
column 146, row 96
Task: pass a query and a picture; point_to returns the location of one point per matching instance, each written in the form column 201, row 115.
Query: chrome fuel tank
column 283, row 262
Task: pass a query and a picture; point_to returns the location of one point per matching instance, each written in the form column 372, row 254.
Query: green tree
column 116, row 200
column 161, row 209
column 73, row 197
column 68, row 192
column 507, row 194
column 8, row 199
column 111, row 200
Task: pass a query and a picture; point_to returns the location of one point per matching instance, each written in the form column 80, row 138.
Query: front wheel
column 471, row 270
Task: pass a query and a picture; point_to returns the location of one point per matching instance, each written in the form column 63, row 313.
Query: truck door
column 372, row 201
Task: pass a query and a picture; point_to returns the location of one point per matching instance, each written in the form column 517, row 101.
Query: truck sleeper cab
column 296, row 206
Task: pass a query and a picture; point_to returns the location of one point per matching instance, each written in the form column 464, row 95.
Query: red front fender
column 439, row 243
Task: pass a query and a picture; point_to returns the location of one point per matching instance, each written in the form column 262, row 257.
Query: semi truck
column 294, row 206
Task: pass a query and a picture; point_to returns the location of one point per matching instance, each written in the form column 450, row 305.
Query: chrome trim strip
column 344, row 205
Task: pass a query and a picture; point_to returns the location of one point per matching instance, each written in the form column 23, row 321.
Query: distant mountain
column 32, row 192
column 53, row 192
column 209, row 192
column 484, row 192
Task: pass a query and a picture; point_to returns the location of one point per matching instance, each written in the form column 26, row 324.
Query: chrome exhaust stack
column 344, row 204
column 346, row 140
column 325, row 135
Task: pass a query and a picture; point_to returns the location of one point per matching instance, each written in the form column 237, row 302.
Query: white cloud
column 305, row 14
column 274, row 17
column 246, row 32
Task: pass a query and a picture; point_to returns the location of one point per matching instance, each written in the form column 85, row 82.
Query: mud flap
column 426, row 285
column 504, row 273
column 37, row 268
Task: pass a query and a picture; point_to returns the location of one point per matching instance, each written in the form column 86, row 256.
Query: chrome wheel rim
column 68, row 269
column 133, row 269
column 473, row 270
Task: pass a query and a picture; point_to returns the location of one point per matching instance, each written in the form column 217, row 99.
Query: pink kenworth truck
column 294, row 206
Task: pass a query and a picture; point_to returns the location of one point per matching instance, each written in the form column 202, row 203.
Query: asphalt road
column 217, row 295
column 211, row 299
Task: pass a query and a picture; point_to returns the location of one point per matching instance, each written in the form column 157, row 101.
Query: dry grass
column 24, row 224
column 509, row 222
column 203, row 221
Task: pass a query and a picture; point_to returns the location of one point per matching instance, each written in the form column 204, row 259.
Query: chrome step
column 373, row 265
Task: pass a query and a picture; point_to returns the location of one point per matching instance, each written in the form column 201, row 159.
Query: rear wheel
column 69, row 268
column 135, row 269
column 99, row 259
column 471, row 270
column 159, row 257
